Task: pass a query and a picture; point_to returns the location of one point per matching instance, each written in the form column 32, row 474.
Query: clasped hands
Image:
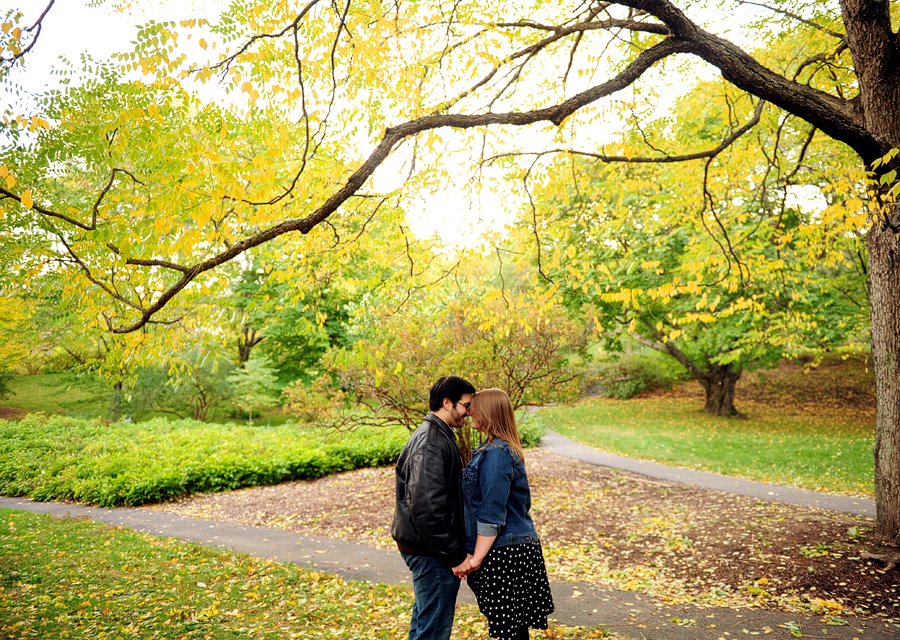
column 466, row 567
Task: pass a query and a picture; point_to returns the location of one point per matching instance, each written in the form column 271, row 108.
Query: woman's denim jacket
column 497, row 497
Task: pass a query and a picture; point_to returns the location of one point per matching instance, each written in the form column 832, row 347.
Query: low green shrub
column 114, row 464
column 531, row 428
column 626, row 375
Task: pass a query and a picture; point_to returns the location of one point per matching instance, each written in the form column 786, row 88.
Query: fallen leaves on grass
column 679, row 543
column 77, row 579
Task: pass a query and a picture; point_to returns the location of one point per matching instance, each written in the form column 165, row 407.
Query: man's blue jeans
column 435, row 588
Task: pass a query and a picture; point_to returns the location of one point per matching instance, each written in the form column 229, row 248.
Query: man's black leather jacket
column 428, row 515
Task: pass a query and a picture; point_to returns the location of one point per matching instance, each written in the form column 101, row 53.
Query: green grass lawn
column 822, row 451
column 64, row 393
column 68, row 578
column 89, row 396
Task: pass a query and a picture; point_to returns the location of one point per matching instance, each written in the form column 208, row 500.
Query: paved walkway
column 560, row 445
column 629, row 613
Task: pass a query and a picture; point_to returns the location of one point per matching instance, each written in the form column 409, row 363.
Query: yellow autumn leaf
column 27, row 201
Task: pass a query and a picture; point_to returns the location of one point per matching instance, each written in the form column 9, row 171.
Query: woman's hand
column 483, row 544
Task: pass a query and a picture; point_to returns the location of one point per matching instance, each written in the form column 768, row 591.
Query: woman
column 509, row 578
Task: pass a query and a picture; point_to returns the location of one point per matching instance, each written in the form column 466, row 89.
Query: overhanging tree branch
column 832, row 115
column 828, row 113
column 665, row 159
column 532, row 50
column 5, row 193
column 393, row 136
column 226, row 62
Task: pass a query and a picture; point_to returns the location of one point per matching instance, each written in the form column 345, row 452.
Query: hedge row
column 109, row 465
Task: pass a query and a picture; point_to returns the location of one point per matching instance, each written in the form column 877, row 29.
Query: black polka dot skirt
column 512, row 590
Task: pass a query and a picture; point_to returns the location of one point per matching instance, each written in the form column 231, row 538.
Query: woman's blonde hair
column 494, row 411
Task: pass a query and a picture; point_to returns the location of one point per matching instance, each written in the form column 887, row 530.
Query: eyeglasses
column 467, row 405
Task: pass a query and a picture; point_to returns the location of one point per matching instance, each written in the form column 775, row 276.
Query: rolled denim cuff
column 487, row 529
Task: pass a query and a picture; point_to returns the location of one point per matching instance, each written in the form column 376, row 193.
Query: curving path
column 563, row 446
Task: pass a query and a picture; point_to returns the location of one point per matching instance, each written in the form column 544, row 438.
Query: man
column 429, row 524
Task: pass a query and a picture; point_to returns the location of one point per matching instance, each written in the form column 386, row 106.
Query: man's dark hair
column 451, row 387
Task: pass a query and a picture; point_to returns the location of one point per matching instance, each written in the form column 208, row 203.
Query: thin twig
column 226, row 62
column 794, row 16
column 534, row 227
column 36, row 27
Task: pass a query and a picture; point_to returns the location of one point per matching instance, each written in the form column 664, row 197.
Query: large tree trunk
column 876, row 59
column 884, row 259
column 719, row 384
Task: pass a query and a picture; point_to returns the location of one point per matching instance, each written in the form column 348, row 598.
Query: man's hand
column 464, row 568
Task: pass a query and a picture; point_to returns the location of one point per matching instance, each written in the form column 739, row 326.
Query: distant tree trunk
column 717, row 380
column 200, row 411
column 203, row 403
column 719, row 384
column 248, row 339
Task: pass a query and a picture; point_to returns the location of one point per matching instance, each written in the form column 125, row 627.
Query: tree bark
column 719, row 383
column 876, row 59
column 884, row 261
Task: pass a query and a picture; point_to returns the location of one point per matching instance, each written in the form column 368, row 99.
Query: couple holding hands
column 455, row 521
